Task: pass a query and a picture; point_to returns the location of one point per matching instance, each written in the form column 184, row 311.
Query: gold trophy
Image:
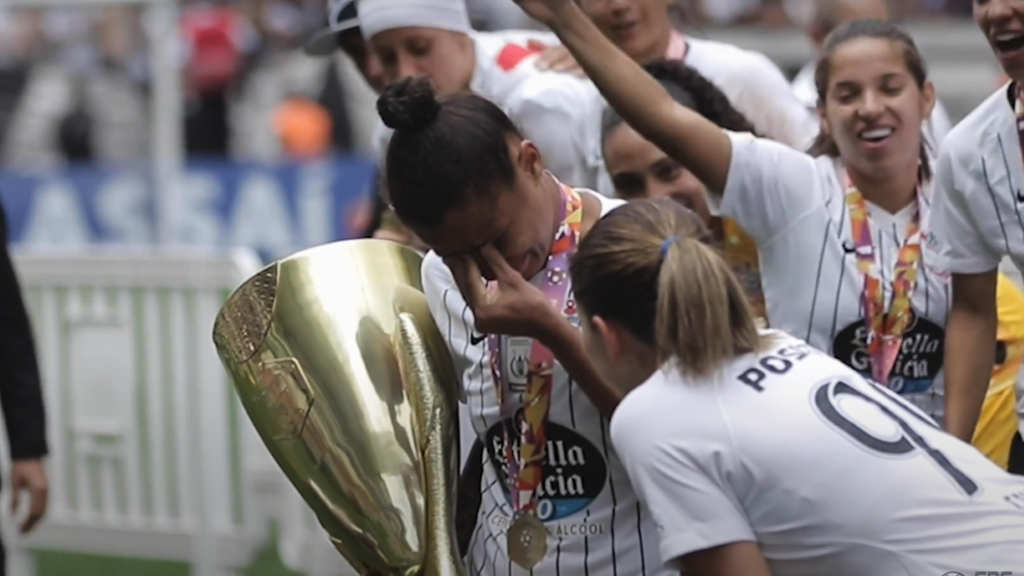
column 347, row 379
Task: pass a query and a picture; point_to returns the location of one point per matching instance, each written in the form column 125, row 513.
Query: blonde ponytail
column 703, row 318
column 649, row 267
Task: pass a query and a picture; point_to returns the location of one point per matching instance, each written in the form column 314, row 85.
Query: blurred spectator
column 304, row 128
column 75, row 132
column 64, row 92
column 216, row 39
column 729, row 11
column 73, row 80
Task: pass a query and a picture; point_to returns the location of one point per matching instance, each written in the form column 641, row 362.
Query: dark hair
column 827, row 16
column 443, row 151
column 686, row 303
column 823, row 144
column 691, row 89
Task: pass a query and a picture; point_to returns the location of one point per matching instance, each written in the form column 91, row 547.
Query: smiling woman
column 872, row 137
column 840, row 235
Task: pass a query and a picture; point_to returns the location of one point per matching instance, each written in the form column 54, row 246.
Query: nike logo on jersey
column 1020, row 197
column 476, row 339
column 848, row 247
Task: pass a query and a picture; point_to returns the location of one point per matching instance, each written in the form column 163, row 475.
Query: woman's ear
column 823, row 120
column 529, row 159
column 611, row 336
column 928, row 96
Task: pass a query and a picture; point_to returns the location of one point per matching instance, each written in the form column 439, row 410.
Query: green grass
column 67, row 564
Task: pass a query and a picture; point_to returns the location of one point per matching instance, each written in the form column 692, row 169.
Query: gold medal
column 527, row 541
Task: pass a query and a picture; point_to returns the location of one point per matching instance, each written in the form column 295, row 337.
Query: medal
column 885, row 326
column 527, row 541
column 523, row 371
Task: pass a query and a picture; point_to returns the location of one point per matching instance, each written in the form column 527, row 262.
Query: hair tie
column 668, row 244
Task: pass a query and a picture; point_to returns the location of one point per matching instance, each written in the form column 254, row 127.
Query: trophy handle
column 434, row 405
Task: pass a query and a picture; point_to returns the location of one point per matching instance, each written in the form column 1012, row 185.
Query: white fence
column 152, row 456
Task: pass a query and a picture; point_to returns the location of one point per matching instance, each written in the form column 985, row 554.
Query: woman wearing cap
column 435, row 38
column 343, row 33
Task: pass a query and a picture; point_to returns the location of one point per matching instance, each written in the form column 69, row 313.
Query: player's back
column 866, row 477
column 830, row 473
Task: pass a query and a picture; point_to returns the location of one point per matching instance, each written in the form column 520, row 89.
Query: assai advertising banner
column 275, row 209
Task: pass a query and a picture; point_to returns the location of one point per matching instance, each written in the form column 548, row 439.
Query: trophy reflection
column 345, row 376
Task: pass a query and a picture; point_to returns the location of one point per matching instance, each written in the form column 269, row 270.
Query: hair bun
column 410, row 104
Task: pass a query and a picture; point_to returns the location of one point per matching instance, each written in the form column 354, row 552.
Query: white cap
column 376, row 16
column 341, row 16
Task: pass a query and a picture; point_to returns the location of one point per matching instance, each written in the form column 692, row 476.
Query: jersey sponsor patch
column 574, row 470
column 918, row 364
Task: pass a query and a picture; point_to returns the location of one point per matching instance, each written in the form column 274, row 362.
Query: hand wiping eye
column 510, row 305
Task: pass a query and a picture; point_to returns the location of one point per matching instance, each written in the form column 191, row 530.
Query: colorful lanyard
column 740, row 252
column 531, row 366
column 676, row 46
column 885, row 327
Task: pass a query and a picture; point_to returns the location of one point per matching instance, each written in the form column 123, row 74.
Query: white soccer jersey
column 979, row 181
column 935, row 130
column 829, row 473
column 596, row 524
column 753, row 84
column 552, row 110
column 756, row 88
column 794, row 207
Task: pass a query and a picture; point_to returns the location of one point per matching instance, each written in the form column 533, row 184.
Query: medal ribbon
column 525, row 472
column 885, row 327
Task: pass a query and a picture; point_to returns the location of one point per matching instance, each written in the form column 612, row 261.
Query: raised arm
column 970, row 350
column 696, row 143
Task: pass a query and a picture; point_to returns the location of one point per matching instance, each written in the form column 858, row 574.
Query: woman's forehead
column 867, row 57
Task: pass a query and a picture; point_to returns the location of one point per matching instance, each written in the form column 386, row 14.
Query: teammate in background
column 639, row 170
column 997, row 433
column 373, row 217
column 1017, row 447
column 979, row 178
column 829, row 14
column 342, row 33
column 464, row 178
column 720, row 425
column 434, row 38
column 820, row 222
column 842, row 235
column 755, row 86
